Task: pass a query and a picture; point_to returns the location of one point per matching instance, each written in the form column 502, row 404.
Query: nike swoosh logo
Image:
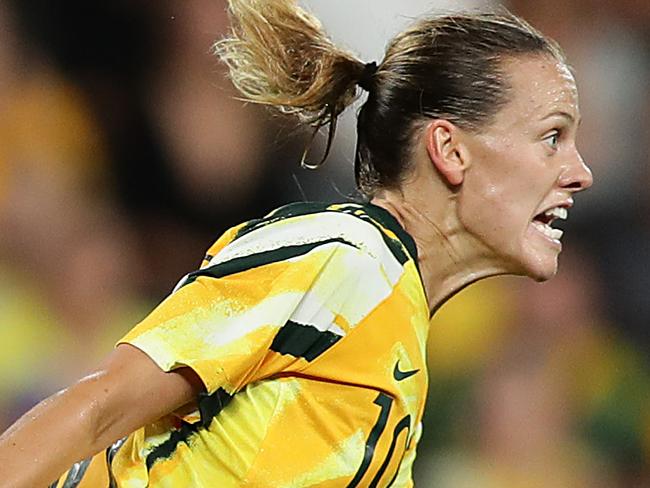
column 402, row 375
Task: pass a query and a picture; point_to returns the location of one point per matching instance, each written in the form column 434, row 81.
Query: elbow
column 95, row 419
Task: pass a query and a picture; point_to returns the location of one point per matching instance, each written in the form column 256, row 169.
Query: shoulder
column 301, row 227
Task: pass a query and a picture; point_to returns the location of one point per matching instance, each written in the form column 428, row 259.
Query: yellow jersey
column 308, row 329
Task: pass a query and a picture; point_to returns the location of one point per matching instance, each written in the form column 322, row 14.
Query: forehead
column 539, row 86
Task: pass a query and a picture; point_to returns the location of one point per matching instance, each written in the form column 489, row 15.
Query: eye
column 553, row 139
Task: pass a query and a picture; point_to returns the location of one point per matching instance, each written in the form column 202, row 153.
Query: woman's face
column 525, row 168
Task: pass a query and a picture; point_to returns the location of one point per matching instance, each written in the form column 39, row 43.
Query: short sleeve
column 255, row 310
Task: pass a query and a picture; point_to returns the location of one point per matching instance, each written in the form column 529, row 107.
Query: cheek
column 498, row 200
column 494, row 199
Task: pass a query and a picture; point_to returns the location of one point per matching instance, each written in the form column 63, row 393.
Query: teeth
column 557, row 212
column 549, row 231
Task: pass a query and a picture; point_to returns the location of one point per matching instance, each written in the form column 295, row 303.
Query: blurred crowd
column 124, row 153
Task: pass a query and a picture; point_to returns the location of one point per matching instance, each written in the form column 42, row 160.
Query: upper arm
column 130, row 390
column 127, row 392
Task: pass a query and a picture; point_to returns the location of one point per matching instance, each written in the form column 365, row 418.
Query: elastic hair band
column 365, row 80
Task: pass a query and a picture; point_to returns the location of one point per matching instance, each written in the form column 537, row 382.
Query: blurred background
column 123, row 155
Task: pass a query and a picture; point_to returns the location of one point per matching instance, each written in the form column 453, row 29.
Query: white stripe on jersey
column 313, row 308
column 312, row 228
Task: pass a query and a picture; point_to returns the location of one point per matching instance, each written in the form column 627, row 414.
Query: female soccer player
column 295, row 356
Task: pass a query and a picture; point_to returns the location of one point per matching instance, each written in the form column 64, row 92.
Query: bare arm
column 129, row 391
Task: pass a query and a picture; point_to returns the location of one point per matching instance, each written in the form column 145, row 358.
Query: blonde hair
column 278, row 55
column 441, row 67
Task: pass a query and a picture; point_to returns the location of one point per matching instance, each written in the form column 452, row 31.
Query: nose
column 577, row 175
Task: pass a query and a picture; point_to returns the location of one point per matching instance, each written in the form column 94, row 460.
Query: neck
column 449, row 259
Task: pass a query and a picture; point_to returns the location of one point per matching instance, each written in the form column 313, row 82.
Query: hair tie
column 365, row 80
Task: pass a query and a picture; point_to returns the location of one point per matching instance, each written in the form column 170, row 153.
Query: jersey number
column 385, row 403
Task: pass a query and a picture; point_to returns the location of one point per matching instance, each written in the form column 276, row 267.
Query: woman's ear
column 445, row 151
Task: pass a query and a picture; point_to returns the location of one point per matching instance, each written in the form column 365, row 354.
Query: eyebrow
column 562, row 113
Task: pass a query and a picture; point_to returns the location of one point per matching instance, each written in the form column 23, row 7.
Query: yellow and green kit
column 308, row 328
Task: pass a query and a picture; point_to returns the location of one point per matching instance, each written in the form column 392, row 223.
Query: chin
column 538, row 257
column 542, row 269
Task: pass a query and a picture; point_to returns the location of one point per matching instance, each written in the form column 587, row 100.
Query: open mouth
column 543, row 222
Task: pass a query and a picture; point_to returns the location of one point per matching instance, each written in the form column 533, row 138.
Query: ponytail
column 447, row 67
column 278, row 55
